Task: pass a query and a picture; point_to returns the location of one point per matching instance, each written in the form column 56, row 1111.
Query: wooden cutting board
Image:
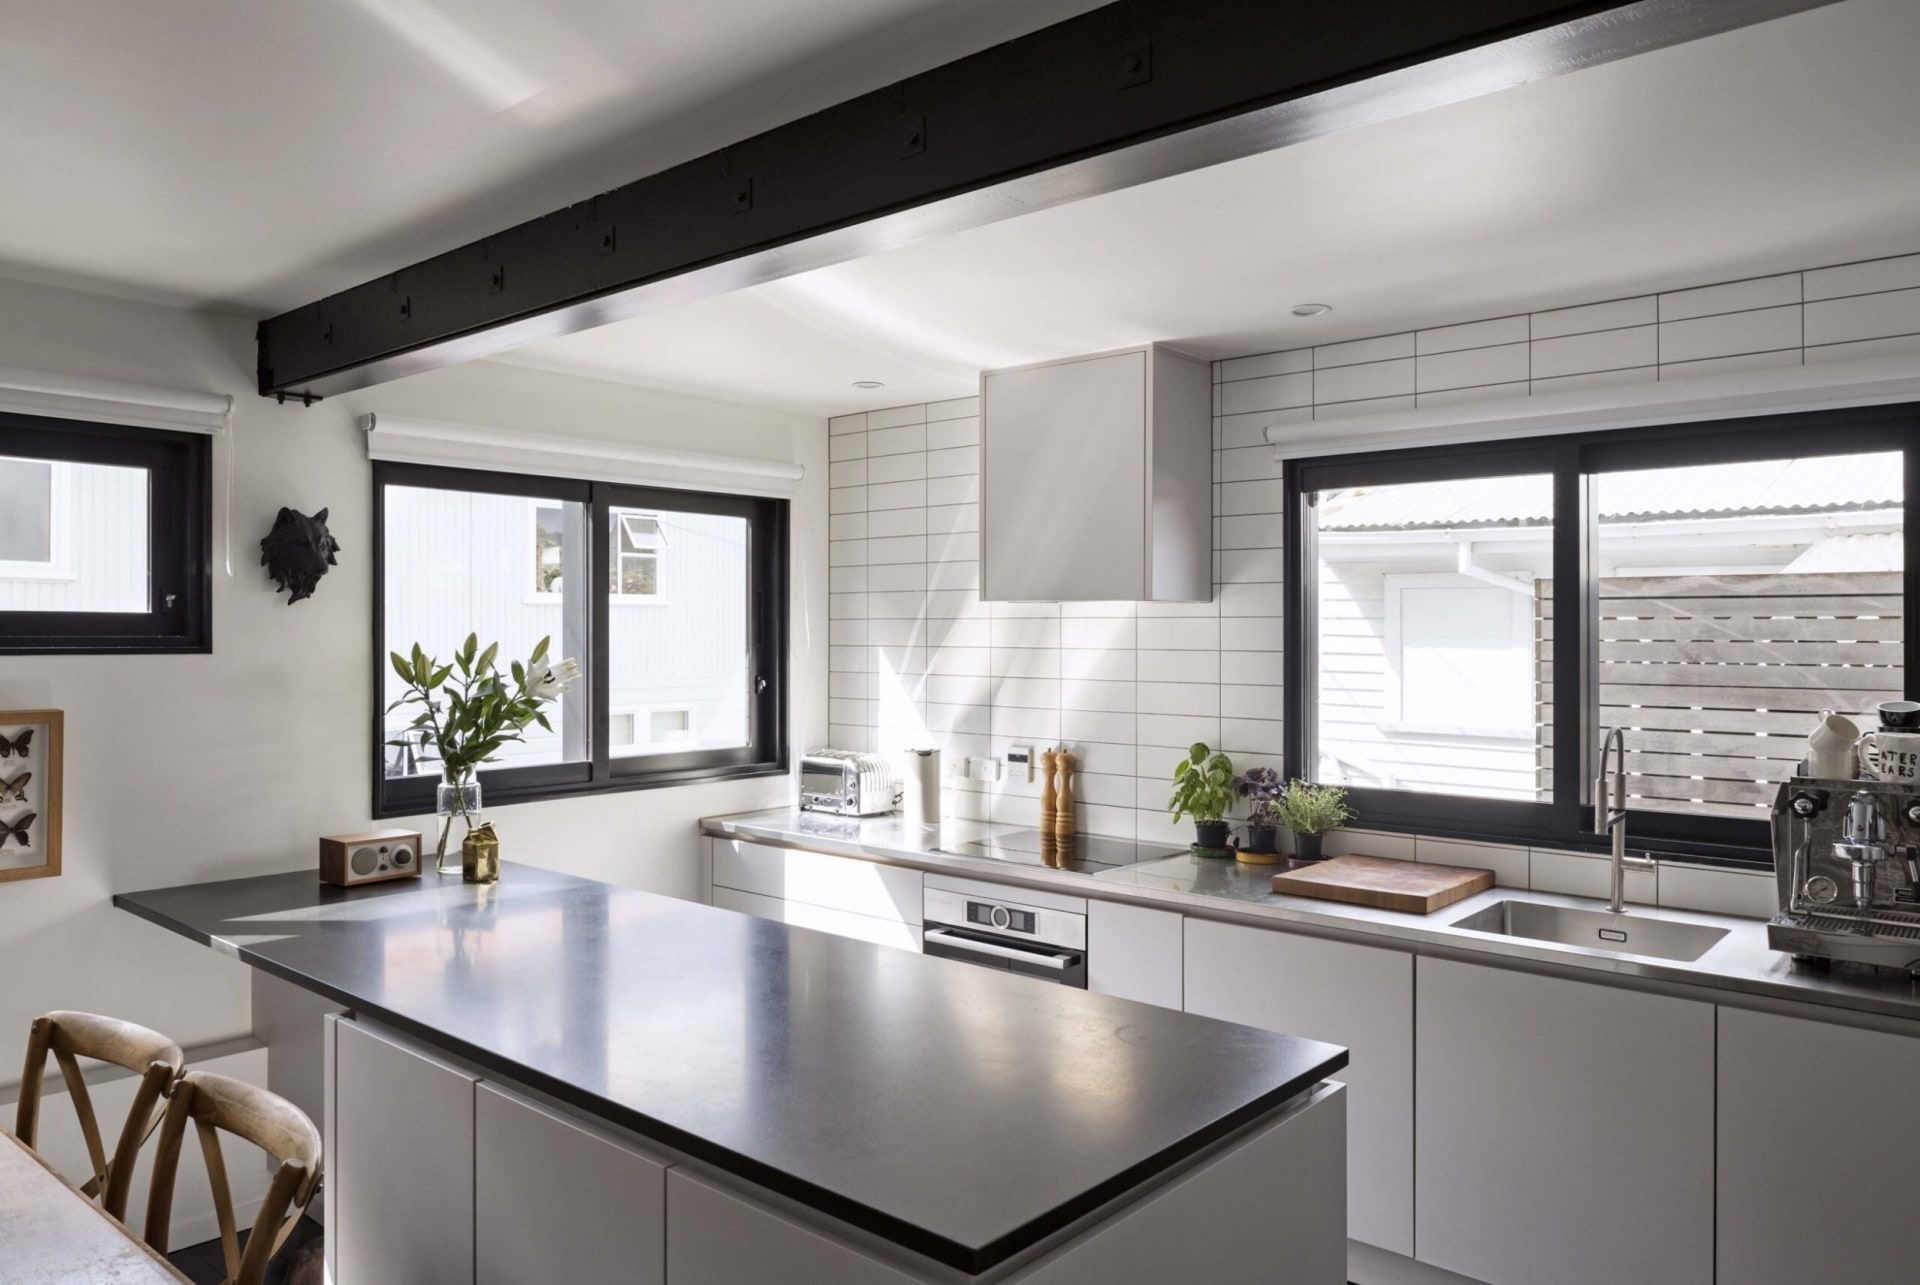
column 1385, row 885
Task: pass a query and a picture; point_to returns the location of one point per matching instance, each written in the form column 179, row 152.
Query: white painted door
column 556, row 1196
column 400, row 1179
column 1565, row 1130
column 1134, row 952
column 1357, row 996
column 1819, row 1153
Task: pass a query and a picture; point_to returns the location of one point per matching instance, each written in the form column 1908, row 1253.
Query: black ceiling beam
column 1121, row 95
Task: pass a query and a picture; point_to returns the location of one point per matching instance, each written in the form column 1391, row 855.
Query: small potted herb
column 1261, row 787
column 1203, row 790
column 1310, row 811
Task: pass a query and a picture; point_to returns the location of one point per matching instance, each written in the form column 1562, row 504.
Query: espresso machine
column 1846, row 854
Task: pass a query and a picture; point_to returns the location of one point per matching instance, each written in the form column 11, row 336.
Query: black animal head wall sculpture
column 297, row 552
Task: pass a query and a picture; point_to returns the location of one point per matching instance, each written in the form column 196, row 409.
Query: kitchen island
column 786, row 1091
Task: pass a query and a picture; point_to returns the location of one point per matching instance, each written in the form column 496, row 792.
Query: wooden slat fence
column 1718, row 678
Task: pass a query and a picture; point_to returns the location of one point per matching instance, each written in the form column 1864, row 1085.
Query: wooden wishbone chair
column 215, row 1103
column 69, row 1036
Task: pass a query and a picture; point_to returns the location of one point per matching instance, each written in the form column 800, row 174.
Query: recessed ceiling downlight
column 868, row 383
column 1311, row 309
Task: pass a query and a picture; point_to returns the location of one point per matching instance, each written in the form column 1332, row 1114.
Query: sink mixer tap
column 1863, row 845
column 1610, row 816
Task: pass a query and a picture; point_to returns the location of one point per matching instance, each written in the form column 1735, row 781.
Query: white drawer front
column 841, row 923
column 834, row 883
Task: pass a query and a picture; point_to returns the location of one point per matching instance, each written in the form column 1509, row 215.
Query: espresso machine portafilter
column 1847, row 866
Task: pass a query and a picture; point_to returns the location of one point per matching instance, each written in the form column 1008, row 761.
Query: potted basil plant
column 1203, row 790
column 1261, row 787
column 1310, row 811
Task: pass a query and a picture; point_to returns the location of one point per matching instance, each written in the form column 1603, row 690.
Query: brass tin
column 480, row 855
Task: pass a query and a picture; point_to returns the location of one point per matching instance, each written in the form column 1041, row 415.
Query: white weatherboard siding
column 183, row 768
column 918, row 657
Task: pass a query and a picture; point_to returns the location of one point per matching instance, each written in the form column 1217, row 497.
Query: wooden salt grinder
column 1046, row 792
column 1063, row 827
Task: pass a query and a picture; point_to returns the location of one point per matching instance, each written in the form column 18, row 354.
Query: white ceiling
column 259, row 155
column 1791, row 144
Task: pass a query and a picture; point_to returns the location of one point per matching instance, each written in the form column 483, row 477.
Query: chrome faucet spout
column 1610, row 816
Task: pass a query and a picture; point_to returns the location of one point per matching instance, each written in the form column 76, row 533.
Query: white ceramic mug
column 1891, row 756
column 1830, row 748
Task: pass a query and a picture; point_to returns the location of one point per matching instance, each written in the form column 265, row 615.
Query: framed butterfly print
column 31, row 745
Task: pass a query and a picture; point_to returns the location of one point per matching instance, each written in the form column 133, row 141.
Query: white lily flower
column 552, row 679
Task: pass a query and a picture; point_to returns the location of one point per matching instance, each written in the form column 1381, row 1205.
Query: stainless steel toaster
column 848, row 784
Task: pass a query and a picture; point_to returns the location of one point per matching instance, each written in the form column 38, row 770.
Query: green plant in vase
column 1311, row 811
column 1203, row 790
column 467, row 710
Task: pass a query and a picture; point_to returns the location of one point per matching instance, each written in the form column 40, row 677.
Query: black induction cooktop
column 1086, row 853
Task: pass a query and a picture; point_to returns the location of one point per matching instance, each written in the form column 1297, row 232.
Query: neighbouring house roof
column 1824, row 484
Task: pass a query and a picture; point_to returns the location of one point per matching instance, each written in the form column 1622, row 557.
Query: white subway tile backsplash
column 897, row 495
column 1867, row 316
column 1575, row 874
column 1256, row 531
column 1250, row 667
column 847, row 473
column 1193, row 634
column 901, row 548
column 1734, row 296
column 1099, row 725
column 1251, row 633
column 1093, row 694
column 954, row 575
column 1275, row 392
column 1509, row 864
column 1269, row 495
column 846, row 579
column 1251, row 702
column 953, row 408
column 1252, row 429
column 1155, row 665
column 1763, row 330
column 1725, row 365
column 953, row 461
column 1859, row 350
column 1485, row 393
column 1290, row 362
column 894, row 416
column 1600, row 350
column 896, row 578
column 1251, row 600
column 1612, row 315
column 1474, row 334
column 895, row 440
column 1862, row 278
column 947, row 434
column 1025, row 632
column 1099, row 632
column 1385, row 348
column 892, row 522
column 846, row 553
column 1251, row 566
column 1719, row 892
column 897, row 468
column 1472, row 367
column 1596, row 379
column 847, row 526
column 1244, row 736
column 1363, row 382
column 855, row 423
column 852, row 446
column 953, row 490
column 1177, row 731
column 1178, row 698
column 1368, row 406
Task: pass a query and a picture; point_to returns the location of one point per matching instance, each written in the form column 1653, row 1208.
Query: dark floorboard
column 203, row 1264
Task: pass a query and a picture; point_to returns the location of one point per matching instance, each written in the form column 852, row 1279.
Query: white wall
column 185, row 768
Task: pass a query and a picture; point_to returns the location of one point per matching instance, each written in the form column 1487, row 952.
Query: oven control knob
column 999, row 917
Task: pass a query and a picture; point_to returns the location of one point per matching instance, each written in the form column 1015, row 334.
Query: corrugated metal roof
column 1822, row 484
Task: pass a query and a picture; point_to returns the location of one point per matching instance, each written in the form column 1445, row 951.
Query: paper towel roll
column 920, row 804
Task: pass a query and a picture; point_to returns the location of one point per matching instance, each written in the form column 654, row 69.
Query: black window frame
column 765, row 754
column 1573, row 460
column 179, row 468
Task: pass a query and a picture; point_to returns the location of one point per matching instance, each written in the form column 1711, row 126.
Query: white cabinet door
column 717, row 1238
column 881, row 932
column 832, row 883
column 1134, row 952
column 1565, row 1130
column 400, row 1179
column 556, row 1197
column 1819, row 1153
column 1357, row 996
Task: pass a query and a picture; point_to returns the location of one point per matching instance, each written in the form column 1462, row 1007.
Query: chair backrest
column 70, row 1036
column 218, row 1103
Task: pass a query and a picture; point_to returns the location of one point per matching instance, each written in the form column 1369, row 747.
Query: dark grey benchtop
column 962, row 1113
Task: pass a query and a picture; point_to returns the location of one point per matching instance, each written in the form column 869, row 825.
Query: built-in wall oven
column 1034, row 941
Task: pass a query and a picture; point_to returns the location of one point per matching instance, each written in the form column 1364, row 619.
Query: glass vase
column 456, row 799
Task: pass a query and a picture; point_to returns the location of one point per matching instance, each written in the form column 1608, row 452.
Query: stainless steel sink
column 1623, row 934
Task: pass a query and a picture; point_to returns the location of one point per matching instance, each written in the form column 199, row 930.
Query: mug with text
column 1891, row 756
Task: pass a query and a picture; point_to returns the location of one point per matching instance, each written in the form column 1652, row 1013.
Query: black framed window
column 674, row 603
column 105, row 539
column 1464, row 622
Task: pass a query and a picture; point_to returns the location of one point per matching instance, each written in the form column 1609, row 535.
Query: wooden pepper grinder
column 1063, row 827
column 1046, row 792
